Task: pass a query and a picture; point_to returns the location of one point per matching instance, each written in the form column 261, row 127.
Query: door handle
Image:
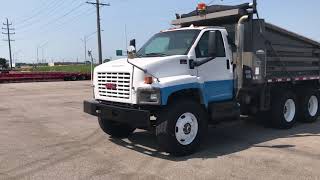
column 228, row 64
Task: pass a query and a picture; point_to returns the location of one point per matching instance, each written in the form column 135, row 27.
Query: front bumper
column 134, row 117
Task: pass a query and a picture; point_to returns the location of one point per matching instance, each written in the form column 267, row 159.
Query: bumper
column 134, row 117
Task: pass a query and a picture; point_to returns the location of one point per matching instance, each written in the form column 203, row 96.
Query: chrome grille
column 122, row 81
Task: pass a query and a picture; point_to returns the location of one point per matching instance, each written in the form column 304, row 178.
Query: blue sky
column 60, row 24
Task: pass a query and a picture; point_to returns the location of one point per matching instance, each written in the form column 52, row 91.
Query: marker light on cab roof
column 202, row 7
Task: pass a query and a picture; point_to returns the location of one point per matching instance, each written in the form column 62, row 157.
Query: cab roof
column 192, row 28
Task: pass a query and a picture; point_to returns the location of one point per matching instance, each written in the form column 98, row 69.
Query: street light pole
column 37, row 54
column 15, row 56
column 85, row 40
column 85, row 48
column 42, row 51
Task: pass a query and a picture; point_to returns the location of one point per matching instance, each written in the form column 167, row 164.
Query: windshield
column 169, row 43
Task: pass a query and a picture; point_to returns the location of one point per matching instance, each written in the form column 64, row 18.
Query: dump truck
column 214, row 65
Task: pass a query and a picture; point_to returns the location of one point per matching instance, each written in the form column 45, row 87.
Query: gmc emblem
column 111, row 86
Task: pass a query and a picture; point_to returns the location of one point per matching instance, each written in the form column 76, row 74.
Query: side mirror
column 133, row 43
column 131, row 52
column 212, row 45
column 131, row 49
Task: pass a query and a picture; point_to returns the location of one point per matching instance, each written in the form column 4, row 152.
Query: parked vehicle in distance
column 217, row 63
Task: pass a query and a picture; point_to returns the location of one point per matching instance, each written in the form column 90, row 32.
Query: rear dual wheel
column 309, row 110
column 284, row 110
column 287, row 109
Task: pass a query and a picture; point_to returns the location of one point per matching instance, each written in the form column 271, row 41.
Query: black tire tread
column 277, row 118
column 303, row 114
column 166, row 125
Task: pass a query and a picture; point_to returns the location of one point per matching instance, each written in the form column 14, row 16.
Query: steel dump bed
column 271, row 53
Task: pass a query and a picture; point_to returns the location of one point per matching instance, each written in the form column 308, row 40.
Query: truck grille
column 121, row 82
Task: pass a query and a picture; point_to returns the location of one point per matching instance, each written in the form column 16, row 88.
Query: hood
column 115, row 66
column 158, row 66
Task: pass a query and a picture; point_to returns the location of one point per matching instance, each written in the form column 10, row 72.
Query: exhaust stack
column 239, row 59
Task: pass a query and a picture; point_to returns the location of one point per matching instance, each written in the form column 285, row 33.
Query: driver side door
column 216, row 75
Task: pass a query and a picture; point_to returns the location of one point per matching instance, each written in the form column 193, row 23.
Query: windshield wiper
column 155, row 54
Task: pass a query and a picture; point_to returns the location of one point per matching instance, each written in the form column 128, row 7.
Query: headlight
column 149, row 96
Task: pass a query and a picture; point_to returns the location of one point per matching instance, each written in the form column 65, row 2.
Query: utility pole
column 98, row 4
column 8, row 33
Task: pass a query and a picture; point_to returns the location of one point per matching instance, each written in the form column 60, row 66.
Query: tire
column 284, row 110
column 309, row 106
column 181, row 127
column 114, row 129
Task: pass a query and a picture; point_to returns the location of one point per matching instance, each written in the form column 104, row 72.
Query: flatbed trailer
column 9, row 77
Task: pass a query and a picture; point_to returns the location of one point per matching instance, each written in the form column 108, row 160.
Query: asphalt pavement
column 44, row 134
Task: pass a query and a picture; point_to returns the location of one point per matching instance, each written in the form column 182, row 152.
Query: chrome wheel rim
column 186, row 128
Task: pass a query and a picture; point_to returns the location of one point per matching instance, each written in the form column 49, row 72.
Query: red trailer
column 8, row 77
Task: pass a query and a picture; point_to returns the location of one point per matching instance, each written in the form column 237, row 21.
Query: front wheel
column 181, row 128
column 115, row 129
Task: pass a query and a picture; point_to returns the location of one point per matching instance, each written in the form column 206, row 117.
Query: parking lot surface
column 45, row 135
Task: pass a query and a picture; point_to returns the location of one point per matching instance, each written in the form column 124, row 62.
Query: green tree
column 3, row 63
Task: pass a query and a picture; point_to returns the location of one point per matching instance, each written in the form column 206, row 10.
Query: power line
column 45, row 8
column 211, row 2
column 64, row 15
column 74, row 19
column 62, row 26
column 54, row 9
column 8, row 32
column 48, row 27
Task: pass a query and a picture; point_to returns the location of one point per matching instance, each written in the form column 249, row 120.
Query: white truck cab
column 167, row 58
column 174, row 77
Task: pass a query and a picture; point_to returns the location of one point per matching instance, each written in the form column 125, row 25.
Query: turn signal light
column 148, row 80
